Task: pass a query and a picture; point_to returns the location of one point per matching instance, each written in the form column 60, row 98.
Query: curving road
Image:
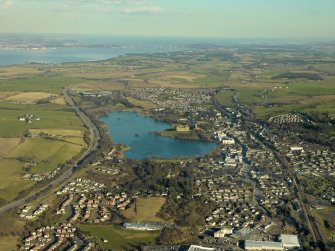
column 94, row 143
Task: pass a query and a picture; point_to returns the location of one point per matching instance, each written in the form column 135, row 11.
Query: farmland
column 37, row 84
column 23, row 143
column 7, row 145
column 11, row 182
column 34, row 149
column 28, row 96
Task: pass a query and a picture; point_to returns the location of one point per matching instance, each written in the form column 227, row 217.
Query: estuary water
column 136, row 131
column 65, row 55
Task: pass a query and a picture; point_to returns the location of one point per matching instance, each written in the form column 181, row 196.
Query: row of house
column 27, row 213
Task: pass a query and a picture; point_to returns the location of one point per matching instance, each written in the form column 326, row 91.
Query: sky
column 185, row 18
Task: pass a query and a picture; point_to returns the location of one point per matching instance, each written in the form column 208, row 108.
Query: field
column 328, row 213
column 144, row 104
column 4, row 95
column 97, row 85
column 59, row 100
column 58, row 132
column 11, row 229
column 56, row 119
column 10, row 126
column 146, row 209
column 37, row 84
column 28, row 96
column 225, row 97
column 11, row 181
column 299, row 95
column 7, row 145
column 34, row 150
column 8, row 243
column 19, row 70
column 21, row 143
column 118, row 238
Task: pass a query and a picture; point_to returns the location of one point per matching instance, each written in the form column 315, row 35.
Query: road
column 94, row 143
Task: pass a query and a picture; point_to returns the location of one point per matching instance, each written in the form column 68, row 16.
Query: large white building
column 263, row 245
column 289, row 241
column 200, row 248
column 286, row 242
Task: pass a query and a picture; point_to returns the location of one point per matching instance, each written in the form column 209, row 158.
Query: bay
column 66, row 55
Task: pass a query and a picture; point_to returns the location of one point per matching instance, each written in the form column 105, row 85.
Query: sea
column 59, row 49
column 74, row 48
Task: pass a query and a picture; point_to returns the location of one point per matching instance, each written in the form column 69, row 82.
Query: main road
column 94, row 143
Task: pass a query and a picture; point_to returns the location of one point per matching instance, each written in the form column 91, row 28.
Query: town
column 204, row 149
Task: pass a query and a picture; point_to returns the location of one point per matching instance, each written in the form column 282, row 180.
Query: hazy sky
column 209, row 18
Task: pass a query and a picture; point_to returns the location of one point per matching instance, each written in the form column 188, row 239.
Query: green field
column 312, row 96
column 56, row 120
column 119, row 238
column 212, row 79
column 11, row 182
column 58, row 152
column 10, row 126
column 225, row 97
column 146, row 209
column 32, row 83
column 18, row 148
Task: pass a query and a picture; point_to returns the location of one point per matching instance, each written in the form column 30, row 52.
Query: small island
column 184, row 132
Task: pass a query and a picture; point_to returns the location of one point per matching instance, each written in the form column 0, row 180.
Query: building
column 143, row 226
column 182, row 128
column 223, row 232
column 262, row 245
column 289, row 241
column 200, row 248
column 228, row 141
column 297, row 149
column 286, row 242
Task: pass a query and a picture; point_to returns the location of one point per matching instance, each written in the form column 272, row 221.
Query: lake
column 136, row 131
